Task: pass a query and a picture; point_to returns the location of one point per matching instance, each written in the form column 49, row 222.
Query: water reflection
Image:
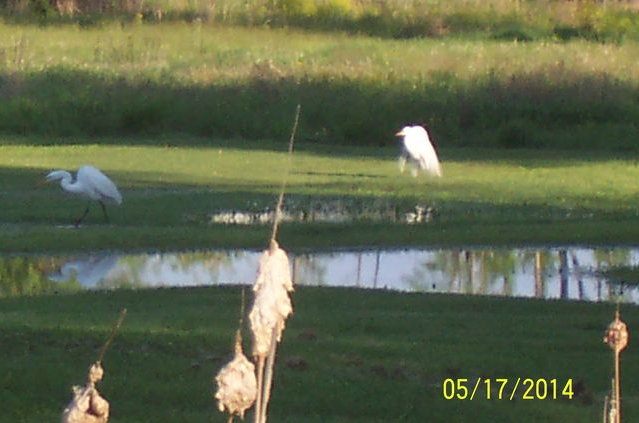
column 565, row 273
column 88, row 271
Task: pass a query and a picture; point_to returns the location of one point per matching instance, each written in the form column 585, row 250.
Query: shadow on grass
column 553, row 108
column 338, row 174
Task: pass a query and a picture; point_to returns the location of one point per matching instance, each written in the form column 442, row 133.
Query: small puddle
column 556, row 273
column 331, row 212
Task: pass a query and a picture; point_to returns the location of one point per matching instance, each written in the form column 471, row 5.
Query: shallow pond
column 566, row 273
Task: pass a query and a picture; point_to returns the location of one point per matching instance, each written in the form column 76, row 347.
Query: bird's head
column 56, row 175
column 405, row 130
column 416, row 132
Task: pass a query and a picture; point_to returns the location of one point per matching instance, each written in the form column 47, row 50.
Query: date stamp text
column 507, row 389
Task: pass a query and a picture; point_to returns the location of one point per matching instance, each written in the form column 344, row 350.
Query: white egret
column 418, row 149
column 91, row 183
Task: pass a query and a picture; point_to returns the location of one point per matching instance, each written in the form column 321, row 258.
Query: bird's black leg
column 106, row 218
column 77, row 222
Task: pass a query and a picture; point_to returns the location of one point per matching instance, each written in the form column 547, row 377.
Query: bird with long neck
column 89, row 182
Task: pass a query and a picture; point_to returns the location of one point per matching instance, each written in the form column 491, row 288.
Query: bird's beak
column 400, row 134
column 42, row 183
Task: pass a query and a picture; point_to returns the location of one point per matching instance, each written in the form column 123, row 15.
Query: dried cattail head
column 96, row 372
column 236, row 384
column 272, row 304
column 87, row 405
column 617, row 334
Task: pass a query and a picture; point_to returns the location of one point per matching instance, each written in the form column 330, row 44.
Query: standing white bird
column 91, row 183
column 418, row 149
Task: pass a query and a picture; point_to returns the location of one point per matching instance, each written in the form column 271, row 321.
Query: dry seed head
column 617, row 334
column 272, row 304
column 236, row 384
column 87, row 405
column 96, row 372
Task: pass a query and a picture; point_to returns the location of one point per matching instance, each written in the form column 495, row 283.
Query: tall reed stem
column 260, row 382
column 264, row 380
column 114, row 331
column 280, row 200
column 268, row 375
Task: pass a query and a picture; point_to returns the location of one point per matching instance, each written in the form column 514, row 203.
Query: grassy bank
column 170, row 194
column 496, row 19
column 346, row 356
column 218, row 82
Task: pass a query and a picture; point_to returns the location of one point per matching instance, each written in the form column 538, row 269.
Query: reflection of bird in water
column 89, row 272
column 417, row 148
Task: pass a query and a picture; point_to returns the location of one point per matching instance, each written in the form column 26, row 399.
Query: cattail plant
column 617, row 338
column 87, row 405
column 271, row 307
column 237, row 387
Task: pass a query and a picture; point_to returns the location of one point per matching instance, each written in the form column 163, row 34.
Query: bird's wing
column 98, row 185
column 429, row 160
column 423, row 152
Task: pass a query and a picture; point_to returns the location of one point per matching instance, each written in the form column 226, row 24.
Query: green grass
column 369, row 356
column 209, row 81
column 485, row 196
column 497, row 19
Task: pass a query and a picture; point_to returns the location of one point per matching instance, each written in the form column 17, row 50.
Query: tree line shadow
column 573, row 112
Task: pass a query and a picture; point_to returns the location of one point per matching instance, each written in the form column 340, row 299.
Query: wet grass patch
column 170, row 193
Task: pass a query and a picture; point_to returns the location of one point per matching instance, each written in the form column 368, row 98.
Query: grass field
column 485, row 197
column 190, row 118
column 217, row 82
column 346, row 356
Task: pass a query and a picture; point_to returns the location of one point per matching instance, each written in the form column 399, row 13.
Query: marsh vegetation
column 210, row 81
column 532, row 106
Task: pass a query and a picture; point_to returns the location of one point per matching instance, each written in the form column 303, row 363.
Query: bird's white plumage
column 90, row 182
column 418, row 148
column 98, row 185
